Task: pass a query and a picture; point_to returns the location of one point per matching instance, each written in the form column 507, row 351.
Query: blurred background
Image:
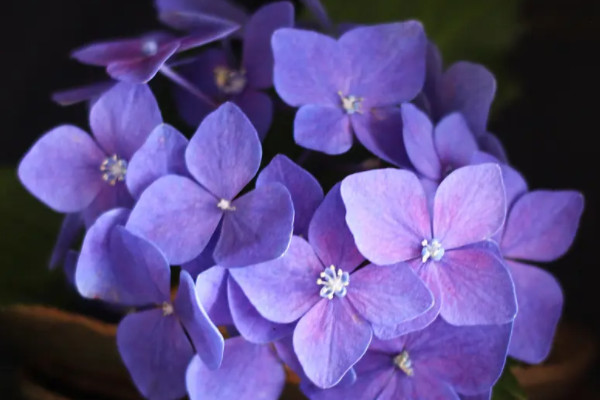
column 544, row 56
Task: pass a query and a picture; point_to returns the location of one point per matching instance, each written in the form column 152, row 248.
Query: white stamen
column 167, row 309
column 149, row 47
column 351, row 104
column 113, row 169
column 230, row 81
column 225, row 205
column 333, row 283
column 403, row 362
column 433, row 250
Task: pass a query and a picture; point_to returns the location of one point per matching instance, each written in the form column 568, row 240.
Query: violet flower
column 440, row 362
column 388, row 214
column 221, row 79
column 337, row 305
column 340, row 85
column 180, row 215
column 72, row 172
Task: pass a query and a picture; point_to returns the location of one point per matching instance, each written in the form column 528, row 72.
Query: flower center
column 351, row 104
column 149, row 47
column 113, row 169
column 225, row 205
column 433, row 250
column 167, row 309
column 403, row 362
column 333, row 283
column 230, row 81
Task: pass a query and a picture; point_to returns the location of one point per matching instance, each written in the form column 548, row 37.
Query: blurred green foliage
column 507, row 387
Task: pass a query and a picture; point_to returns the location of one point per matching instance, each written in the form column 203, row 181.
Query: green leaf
column 508, row 387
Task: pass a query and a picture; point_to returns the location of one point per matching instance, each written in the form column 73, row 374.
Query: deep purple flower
column 120, row 267
column 337, row 305
column 180, row 215
column 138, row 60
column 249, row 371
column 440, row 362
column 338, row 84
column 72, row 172
column 221, row 79
column 388, row 214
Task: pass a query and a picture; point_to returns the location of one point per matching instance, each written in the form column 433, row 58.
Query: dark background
column 549, row 80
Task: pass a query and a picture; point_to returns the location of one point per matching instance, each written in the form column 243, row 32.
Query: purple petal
column 388, row 296
column 70, row 265
column 514, row 183
column 540, row 302
column 66, row 158
column 386, row 211
column 380, row 131
column 156, row 351
column 304, row 189
column 123, row 117
column 487, row 395
column 542, row 224
column 205, row 259
column 177, row 215
column 78, row 94
column 419, row 142
column 469, row 89
column 454, row 141
column 143, row 69
column 387, row 62
column 433, row 78
column 161, row 154
column 251, row 325
column 329, row 340
column 476, row 287
column 426, row 386
column 224, row 154
column 222, row 9
column 323, row 128
column 205, row 336
column 298, row 268
column 469, row 206
column 109, row 197
column 230, row 382
column 204, row 28
column 329, row 235
column 259, row 109
column 258, row 229
column 69, row 230
column 104, row 53
column 491, row 144
column 257, row 54
column 309, row 68
column 211, row 291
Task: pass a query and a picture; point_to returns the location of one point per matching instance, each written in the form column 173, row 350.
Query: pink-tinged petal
column 156, row 351
column 386, row 211
column 469, row 206
column 259, row 109
column 540, row 301
column 258, row 229
column 230, row 382
column 454, row 141
column 323, row 128
column 62, row 169
column 329, row 340
column 70, row 229
column 224, row 154
column 104, row 53
column 387, row 61
column 329, row 235
column 251, row 325
column 109, row 197
column 282, row 290
column 475, row 286
column 203, row 333
column 418, row 138
column 305, row 190
column 542, row 225
column 454, row 353
column 257, row 54
column 211, row 291
column 78, row 94
column 177, row 215
column 469, row 89
column 490, row 143
column 123, row 117
column 162, row 154
column 309, row 68
column 143, row 69
column 388, row 296
column 380, row 131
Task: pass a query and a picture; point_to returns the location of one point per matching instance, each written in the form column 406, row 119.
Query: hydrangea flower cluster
column 406, row 282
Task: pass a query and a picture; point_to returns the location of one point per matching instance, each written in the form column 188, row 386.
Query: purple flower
column 72, row 172
column 249, row 371
column 440, row 362
column 180, row 215
column 120, row 267
column 540, row 227
column 138, row 60
column 221, row 79
column 337, row 304
column 388, row 214
column 337, row 84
